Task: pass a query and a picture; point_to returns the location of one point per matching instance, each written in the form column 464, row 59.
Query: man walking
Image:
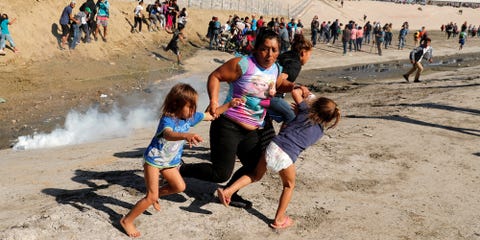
column 424, row 51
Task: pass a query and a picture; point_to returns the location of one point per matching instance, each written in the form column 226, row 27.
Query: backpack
column 82, row 8
column 416, row 34
column 416, row 53
column 149, row 8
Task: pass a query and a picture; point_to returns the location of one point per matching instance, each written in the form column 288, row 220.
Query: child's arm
column 191, row 138
column 297, row 95
column 300, row 93
column 235, row 102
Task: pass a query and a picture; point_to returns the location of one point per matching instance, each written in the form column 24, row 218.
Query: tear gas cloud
column 94, row 125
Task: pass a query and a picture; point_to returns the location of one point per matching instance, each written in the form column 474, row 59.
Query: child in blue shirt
column 164, row 152
column 313, row 117
column 5, row 34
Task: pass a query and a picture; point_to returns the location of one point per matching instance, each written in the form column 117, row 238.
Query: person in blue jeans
column 5, row 34
column 345, row 39
column 215, row 31
column 402, row 37
column 76, row 24
column 291, row 61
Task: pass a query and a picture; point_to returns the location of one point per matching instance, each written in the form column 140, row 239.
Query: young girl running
column 313, row 117
column 164, row 152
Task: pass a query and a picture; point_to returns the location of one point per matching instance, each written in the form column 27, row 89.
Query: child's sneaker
column 2, row 52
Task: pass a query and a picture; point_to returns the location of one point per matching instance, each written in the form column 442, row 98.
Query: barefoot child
column 313, row 117
column 164, row 153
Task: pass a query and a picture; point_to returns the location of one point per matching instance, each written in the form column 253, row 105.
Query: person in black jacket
column 291, row 62
column 424, row 51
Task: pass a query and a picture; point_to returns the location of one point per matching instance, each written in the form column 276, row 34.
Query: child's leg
column 151, row 181
column 225, row 194
column 288, row 180
column 175, row 184
column 179, row 58
column 10, row 40
column 2, row 41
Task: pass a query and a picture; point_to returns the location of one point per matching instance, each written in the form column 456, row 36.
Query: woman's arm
column 283, row 85
column 228, row 72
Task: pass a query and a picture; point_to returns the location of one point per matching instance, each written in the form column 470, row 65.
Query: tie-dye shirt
column 162, row 153
column 253, row 86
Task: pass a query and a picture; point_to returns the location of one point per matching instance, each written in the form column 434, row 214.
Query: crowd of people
column 239, row 33
column 90, row 18
column 159, row 16
column 451, row 30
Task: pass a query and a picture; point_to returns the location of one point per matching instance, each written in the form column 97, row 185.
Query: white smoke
column 94, row 125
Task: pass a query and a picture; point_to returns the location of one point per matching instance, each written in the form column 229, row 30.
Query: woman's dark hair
column 263, row 35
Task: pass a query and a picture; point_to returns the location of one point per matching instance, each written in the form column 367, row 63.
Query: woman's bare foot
column 129, row 228
column 156, row 205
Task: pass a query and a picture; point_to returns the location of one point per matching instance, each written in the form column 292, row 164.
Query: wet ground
column 320, row 79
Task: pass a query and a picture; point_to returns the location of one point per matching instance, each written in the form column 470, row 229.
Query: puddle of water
column 387, row 70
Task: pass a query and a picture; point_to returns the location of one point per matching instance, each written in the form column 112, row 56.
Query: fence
column 260, row 7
